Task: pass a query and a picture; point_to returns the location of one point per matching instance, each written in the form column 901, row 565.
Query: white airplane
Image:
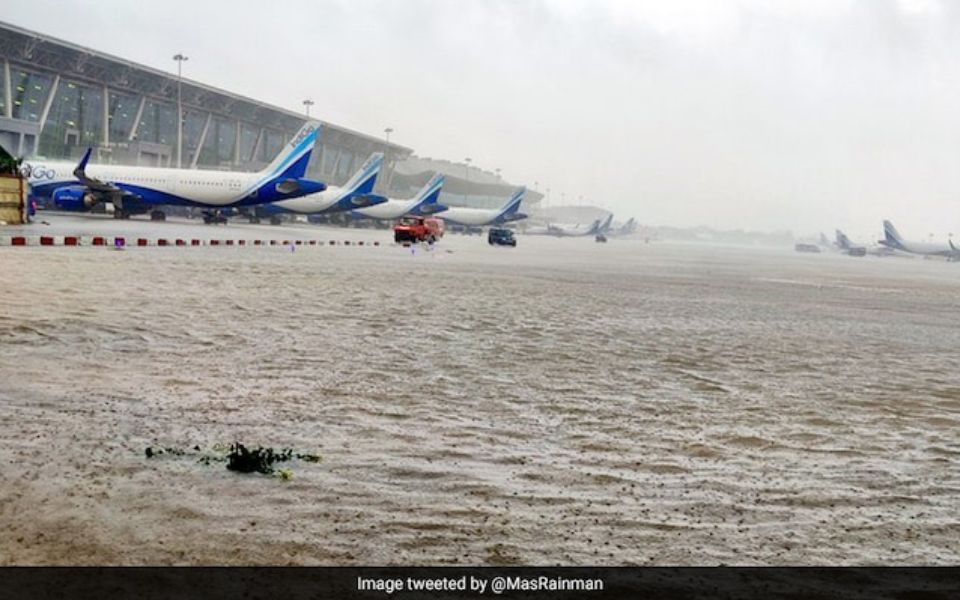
column 480, row 217
column 135, row 190
column 423, row 203
column 356, row 193
column 844, row 244
column 565, row 230
column 628, row 228
column 893, row 240
column 604, row 228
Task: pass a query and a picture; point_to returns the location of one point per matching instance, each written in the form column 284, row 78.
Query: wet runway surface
column 562, row 402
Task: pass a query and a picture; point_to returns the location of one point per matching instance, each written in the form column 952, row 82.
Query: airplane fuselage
column 923, row 248
column 389, row 210
column 311, row 203
column 560, row 230
column 190, row 187
column 478, row 217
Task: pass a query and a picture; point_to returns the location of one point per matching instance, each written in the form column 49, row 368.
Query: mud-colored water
column 563, row 402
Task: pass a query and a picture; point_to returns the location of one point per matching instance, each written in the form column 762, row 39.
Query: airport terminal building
column 58, row 98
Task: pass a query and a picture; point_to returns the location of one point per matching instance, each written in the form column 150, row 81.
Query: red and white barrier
column 121, row 241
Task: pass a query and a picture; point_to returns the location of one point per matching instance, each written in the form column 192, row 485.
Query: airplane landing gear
column 214, row 217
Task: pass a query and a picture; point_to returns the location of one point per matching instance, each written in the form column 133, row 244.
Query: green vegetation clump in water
column 239, row 458
column 259, row 460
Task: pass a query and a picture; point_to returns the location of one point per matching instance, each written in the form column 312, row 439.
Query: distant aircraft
column 825, row 242
column 136, row 190
column 893, row 240
column 479, row 217
column 628, row 228
column 565, row 230
column 605, row 225
column 424, row 202
column 844, row 244
column 356, row 193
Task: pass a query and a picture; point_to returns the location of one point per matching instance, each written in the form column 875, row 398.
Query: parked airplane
column 480, row 217
column 844, row 244
column 424, row 202
column 893, row 239
column 565, row 230
column 605, row 225
column 825, row 242
column 628, row 228
column 356, row 193
column 135, row 190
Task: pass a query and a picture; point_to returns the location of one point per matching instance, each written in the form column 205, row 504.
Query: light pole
column 179, row 58
column 307, row 104
column 466, row 176
column 386, row 151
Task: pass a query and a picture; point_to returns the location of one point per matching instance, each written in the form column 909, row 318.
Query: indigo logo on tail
column 306, row 131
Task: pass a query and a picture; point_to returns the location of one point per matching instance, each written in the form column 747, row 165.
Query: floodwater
column 562, row 402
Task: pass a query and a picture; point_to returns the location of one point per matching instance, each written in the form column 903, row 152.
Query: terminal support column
column 236, row 145
column 136, row 123
column 105, row 129
column 46, row 112
column 7, row 92
column 201, row 141
column 256, row 147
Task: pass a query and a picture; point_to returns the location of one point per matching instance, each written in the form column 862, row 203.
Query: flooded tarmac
column 562, row 402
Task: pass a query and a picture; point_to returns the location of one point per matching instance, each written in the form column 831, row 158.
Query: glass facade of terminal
column 122, row 113
column 133, row 128
column 28, row 93
column 73, row 119
column 63, row 99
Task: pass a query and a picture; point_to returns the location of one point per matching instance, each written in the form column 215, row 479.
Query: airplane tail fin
column 80, row 172
column 892, row 237
column 513, row 205
column 605, row 225
column 364, row 180
column 292, row 162
column 843, row 242
column 426, row 200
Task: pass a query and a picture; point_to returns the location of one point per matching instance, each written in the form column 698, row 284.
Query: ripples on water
column 562, row 403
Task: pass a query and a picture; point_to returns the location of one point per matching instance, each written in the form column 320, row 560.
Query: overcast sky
column 803, row 115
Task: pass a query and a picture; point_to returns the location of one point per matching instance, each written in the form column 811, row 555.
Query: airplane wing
column 92, row 183
column 432, row 209
column 365, row 200
column 105, row 191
